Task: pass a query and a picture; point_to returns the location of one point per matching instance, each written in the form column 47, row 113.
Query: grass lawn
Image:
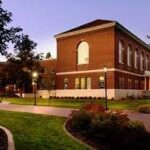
column 38, row 132
column 112, row 104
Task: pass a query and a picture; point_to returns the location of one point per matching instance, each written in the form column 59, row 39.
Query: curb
column 11, row 145
column 76, row 139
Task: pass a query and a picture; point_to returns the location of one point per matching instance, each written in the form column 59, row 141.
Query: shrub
column 144, row 108
column 110, row 130
column 81, row 120
column 104, row 126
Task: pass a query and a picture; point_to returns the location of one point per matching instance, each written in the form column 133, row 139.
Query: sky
column 42, row 19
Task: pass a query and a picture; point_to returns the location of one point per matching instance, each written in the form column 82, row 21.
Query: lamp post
column 106, row 99
column 34, row 84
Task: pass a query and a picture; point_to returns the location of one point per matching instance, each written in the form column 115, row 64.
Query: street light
column 105, row 72
column 34, row 84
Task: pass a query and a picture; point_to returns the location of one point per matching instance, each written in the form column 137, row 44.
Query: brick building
column 83, row 52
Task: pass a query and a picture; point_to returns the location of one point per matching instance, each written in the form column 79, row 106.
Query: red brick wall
column 94, row 80
column 101, row 44
column 119, row 35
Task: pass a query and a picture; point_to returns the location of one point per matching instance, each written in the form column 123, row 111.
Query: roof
column 88, row 25
column 100, row 24
column 48, row 63
column 3, row 63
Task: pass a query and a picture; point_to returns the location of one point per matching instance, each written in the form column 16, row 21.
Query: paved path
column 64, row 112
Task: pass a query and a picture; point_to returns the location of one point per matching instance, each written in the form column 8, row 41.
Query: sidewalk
column 64, row 112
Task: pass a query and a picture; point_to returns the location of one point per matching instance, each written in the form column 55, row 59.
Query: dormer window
column 83, row 53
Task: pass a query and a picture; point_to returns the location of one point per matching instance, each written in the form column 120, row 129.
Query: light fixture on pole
column 105, row 85
column 34, row 84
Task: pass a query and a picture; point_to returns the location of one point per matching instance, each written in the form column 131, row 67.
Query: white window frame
column 121, row 52
column 83, row 53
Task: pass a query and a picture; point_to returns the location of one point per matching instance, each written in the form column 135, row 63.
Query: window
column 83, row 83
column 77, row 83
column 66, row 83
column 121, row 83
column 136, row 59
column 83, row 53
column 129, row 83
column 101, row 82
column 147, row 63
column 88, row 83
column 121, row 52
column 142, row 61
column 136, row 84
column 129, row 56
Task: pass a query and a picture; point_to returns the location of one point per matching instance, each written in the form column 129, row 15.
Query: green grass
column 38, row 132
column 112, row 104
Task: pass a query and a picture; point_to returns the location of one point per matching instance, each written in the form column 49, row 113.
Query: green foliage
column 112, row 130
column 81, row 120
column 21, row 65
column 48, row 55
column 144, row 109
column 7, row 34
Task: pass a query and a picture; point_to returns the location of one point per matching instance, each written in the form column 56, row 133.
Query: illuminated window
column 88, row 83
column 121, row 52
column 83, row 53
column 83, row 83
column 77, row 83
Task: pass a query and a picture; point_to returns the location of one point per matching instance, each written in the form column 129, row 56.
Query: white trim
column 87, row 71
column 85, row 30
column 98, row 70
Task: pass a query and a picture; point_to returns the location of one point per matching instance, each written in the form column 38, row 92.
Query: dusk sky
column 42, row 19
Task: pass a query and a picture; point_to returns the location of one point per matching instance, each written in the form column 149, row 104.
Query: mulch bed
column 83, row 138
column 3, row 140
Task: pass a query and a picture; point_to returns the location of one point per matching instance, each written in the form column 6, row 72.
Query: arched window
column 147, row 62
column 83, row 53
column 129, row 56
column 142, row 61
column 121, row 52
column 136, row 57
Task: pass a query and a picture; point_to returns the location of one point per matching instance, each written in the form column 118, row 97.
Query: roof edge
column 106, row 25
column 125, row 30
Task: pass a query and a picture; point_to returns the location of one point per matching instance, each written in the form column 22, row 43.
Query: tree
column 48, row 80
column 48, row 55
column 23, row 63
column 7, row 34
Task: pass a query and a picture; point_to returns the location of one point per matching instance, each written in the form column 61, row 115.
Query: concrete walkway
column 64, row 112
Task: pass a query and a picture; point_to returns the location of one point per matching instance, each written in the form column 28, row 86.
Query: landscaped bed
column 3, row 140
column 38, row 132
column 107, row 130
